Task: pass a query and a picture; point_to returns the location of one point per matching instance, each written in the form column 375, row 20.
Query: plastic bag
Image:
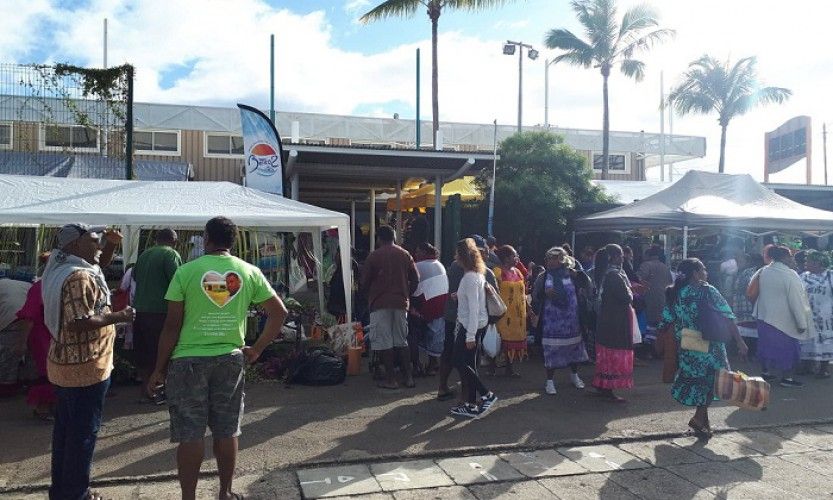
column 491, row 342
column 637, row 333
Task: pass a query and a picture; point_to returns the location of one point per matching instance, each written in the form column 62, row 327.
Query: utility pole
column 509, row 50
column 824, row 149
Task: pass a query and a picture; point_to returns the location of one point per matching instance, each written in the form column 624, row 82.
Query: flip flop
column 699, row 430
column 388, row 387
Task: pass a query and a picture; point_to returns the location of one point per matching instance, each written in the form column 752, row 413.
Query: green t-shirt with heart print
column 217, row 291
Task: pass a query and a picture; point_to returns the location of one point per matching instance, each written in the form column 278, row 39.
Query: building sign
column 262, row 151
column 787, row 144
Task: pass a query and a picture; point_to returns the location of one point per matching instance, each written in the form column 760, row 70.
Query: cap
column 71, row 232
column 479, row 241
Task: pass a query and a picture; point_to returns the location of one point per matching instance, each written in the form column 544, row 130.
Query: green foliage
column 540, row 182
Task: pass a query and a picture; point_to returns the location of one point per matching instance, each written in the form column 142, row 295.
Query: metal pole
column 685, row 242
column 105, row 43
column 520, row 84
column 491, row 220
column 824, row 149
column 296, row 188
column 353, row 221
column 106, row 132
column 671, row 133
column 661, row 128
column 128, row 156
column 418, row 131
column 372, row 220
column 399, row 226
column 546, row 93
column 438, row 213
column 272, row 78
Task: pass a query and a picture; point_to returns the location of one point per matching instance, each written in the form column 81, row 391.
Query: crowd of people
column 602, row 309
column 188, row 324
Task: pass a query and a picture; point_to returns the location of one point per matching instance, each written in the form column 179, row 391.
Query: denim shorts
column 205, row 392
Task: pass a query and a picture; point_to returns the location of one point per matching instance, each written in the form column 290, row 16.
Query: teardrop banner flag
column 263, row 152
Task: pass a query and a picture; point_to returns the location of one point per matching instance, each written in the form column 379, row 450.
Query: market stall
column 136, row 205
column 711, row 200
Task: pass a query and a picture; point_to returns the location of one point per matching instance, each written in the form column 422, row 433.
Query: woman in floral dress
column 694, row 381
column 512, row 326
column 818, row 281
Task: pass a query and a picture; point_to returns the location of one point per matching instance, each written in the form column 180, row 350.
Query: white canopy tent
column 54, row 201
column 707, row 199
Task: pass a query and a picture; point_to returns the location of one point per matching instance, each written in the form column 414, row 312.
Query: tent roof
column 710, row 199
column 57, row 201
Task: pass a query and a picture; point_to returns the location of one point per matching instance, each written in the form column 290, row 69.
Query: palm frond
column 773, row 95
column 391, row 8
column 633, row 43
column 638, row 18
column 633, row 69
column 574, row 58
column 472, row 4
column 565, row 40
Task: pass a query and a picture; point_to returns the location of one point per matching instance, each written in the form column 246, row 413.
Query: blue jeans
column 77, row 420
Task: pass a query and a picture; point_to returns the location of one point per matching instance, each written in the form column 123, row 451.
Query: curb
column 455, row 452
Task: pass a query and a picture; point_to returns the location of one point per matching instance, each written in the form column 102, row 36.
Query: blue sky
column 215, row 52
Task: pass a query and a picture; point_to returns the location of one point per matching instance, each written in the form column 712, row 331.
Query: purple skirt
column 776, row 349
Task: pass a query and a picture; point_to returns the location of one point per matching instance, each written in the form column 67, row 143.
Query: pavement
column 293, row 435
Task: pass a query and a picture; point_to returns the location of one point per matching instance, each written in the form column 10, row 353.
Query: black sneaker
column 466, row 410
column 768, row 377
column 788, row 382
column 487, row 401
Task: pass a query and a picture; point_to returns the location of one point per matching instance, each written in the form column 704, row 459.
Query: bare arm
column 275, row 316
column 101, row 320
column 170, row 335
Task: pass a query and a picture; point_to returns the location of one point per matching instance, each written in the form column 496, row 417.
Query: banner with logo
column 262, row 150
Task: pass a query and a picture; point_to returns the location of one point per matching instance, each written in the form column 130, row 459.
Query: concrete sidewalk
column 789, row 462
column 289, row 428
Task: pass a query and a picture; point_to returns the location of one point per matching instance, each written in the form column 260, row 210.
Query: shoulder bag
column 713, row 325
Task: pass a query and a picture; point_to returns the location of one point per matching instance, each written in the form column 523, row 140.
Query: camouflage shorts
column 205, row 392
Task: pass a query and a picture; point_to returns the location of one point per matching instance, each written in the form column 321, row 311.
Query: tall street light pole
column 509, row 50
column 547, row 64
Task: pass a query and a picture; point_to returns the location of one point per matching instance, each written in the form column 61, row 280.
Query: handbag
column 738, row 389
column 692, row 340
column 713, row 325
column 636, row 332
column 495, row 306
column 491, row 341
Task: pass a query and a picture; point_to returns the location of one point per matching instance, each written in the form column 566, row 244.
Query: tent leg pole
column 399, row 226
column 685, row 242
column 295, row 186
column 318, row 249
column 353, row 221
column 573, row 244
column 438, row 213
column 372, row 220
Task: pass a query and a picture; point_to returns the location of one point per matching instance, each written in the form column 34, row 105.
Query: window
column 617, row 163
column 157, row 142
column 5, row 136
column 219, row 144
column 74, row 137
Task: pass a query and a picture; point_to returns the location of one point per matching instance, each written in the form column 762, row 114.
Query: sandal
column 700, row 431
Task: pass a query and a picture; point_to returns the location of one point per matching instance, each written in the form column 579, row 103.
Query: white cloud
column 227, row 43
column 354, row 6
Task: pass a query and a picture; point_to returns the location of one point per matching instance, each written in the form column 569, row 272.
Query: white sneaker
column 576, row 380
column 550, row 387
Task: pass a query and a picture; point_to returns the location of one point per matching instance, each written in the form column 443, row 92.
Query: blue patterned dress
column 694, row 382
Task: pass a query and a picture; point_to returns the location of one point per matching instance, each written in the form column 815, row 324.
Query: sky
column 216, row 52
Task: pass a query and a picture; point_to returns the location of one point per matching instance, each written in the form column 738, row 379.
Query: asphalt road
column 358, row 422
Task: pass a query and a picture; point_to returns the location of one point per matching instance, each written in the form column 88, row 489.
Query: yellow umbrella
column 424, row 196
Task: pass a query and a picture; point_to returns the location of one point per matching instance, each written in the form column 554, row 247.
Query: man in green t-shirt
column 202, row 352
column 152, row 273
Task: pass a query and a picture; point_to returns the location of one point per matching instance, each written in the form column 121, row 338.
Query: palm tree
column 730, row 90
column 406, row 8
column 609, row 42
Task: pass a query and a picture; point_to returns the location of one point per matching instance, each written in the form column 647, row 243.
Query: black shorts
column 147, row 327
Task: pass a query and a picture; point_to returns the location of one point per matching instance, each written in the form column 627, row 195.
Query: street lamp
column 509, row 50
column 547, row 64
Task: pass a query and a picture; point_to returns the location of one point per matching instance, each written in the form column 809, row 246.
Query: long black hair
column 601, row 261
column 685, row 270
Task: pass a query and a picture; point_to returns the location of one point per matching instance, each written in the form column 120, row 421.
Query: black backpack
column 318, row 366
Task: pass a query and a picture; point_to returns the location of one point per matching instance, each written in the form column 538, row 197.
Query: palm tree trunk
column 434, row 12
column 605, row 130
column 721, row 167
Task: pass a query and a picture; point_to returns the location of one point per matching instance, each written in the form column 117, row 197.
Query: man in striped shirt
column 428, row 306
